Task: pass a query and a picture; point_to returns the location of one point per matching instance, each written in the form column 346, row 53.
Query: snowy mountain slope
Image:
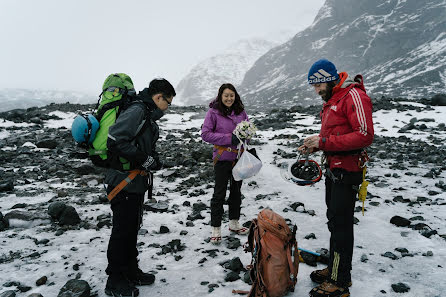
column 399, row 47
column 407, row 175
column 25, row 98
column 203, row 81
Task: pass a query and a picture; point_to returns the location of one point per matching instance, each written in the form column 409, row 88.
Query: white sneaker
column 234, row 226
column 216, row 235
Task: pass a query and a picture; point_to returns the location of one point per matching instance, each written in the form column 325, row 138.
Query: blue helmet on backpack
column 84, row 128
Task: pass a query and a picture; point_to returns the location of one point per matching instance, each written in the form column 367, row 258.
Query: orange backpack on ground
column 275, row 257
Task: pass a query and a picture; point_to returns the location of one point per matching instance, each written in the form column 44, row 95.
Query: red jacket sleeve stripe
column 359, row 111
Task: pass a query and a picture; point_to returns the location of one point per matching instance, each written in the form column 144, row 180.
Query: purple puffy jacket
column 217, row 129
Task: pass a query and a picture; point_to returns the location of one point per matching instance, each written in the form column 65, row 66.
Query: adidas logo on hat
column 322, row 71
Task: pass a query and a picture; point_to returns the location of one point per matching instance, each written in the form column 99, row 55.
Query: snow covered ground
column 83, row 252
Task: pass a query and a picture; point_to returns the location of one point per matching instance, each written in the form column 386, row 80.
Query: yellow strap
column 362, row 193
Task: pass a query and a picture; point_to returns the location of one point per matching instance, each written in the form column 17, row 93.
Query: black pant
column 340, row 197
column 223, row 174
column 127, row 217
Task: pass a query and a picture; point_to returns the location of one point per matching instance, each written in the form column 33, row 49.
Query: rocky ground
column 55, row 219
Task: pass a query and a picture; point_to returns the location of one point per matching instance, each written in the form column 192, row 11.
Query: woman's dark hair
column 161, row 85
column 237, row 106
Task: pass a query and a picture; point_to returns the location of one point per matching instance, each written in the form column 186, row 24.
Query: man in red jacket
column 347, row 129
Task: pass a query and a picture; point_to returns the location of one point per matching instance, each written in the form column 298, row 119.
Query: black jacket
column 124, row 142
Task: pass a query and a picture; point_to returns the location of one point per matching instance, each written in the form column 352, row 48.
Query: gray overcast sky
column 74, row 44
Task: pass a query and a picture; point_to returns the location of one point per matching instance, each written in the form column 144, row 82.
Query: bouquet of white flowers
column 245, row 130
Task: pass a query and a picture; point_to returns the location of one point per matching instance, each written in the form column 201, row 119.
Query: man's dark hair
column 161, row 85
column 237, row 106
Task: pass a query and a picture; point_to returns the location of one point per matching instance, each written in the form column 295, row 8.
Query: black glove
column 149, row 164
column 235, row 141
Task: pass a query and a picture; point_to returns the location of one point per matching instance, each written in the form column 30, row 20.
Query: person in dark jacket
column 225, row 112
column 346, row 130
column 126, row 139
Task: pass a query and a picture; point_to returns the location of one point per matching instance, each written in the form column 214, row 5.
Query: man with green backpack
column 130, row 146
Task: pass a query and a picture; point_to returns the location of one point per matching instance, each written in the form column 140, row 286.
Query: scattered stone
column 400, row 288
column 364, row 258
column 69, row 216
column 9, row 293
column 232, row 276
column 233, row 243
column 400, row 221
column 164, row 230
column 6, row 187
column 310, row 236
column 75, row 288
column 390, row 255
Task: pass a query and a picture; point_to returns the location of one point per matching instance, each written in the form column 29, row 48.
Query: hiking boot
column 140, row 278
column 328, row 289
column 216, row 235
column 120, row 287
column 234, row 226
column 321, row 275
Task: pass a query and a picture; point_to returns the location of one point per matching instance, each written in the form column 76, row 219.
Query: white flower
column 245, row 130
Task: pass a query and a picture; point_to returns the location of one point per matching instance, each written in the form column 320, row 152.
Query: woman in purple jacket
column 225, row 112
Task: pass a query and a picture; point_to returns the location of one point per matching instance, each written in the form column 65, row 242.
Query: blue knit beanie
column 322, row 71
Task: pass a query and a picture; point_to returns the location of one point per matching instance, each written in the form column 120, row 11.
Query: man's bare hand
column 310, row 144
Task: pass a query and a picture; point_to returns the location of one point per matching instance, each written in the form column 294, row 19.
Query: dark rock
column 197, row 207
column 390, row 255
column 236, row 265
column 364, row 258
column 429, row 233
column 55, row 209
column 23, row 288
column 196, row 215
column 84, row 169
column 310, row 236
column 48, row 143
column 402, row 250
column 298, row 206
column 417, row 218
column 232, row 276
column 69, row 216
column 164, row 229
column 19, row 205
column 9, row 293
column 400, row 288
column 400, row 221
column 30, row 218
column 41, row 281
column 75, row 288
column 420, row 226
column 233, row 243
column 7, row 186
column 438, row 100
column 35, row 295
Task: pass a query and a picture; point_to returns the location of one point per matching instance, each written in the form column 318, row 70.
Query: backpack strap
column 125, row 182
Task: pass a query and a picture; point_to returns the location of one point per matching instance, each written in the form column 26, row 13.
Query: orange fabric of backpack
column 275, row 257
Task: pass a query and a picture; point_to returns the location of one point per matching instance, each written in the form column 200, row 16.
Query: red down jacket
column 347, row 123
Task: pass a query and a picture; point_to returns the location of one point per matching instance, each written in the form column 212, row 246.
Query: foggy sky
column 74, row 44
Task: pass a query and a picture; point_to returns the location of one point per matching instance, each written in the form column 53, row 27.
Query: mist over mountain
column 25, row 98
column 398, row 46
column 201, row 84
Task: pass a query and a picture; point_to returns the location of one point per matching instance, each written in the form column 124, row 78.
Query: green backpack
column 117, row 94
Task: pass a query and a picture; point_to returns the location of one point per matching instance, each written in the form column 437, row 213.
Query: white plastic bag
column 247, row 166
